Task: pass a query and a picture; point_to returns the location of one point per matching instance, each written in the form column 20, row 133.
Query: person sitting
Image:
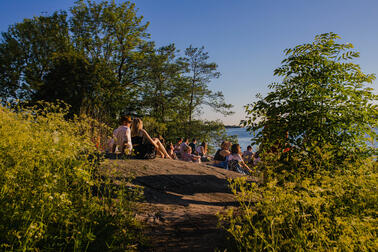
column 122, row 136
column 235, row 161
column 177, row 146
column 221, row 155
column 202, row 151
column 188, row 156
column 248, row 155
column 193, row 146
column 161, row 139
column 182, row 146
column 109, row 145
column 145, row 146
column 256, row 158
column 170, row 149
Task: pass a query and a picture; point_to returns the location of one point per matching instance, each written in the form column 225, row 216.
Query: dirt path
column 181, row 202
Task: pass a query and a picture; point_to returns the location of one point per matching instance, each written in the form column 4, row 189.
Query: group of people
column 131, row 139
column 190, row 152
column 230, row 157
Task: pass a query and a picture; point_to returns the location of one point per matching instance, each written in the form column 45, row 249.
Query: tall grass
column 51, row 196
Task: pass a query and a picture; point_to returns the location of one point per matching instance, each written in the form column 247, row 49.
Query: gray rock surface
column 181, row 200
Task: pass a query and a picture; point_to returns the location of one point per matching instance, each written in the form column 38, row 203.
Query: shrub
column 48, row 177
column 330, row 211
column 320, row 176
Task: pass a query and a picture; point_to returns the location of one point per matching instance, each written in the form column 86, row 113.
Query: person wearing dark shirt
column 193, row 146
column 220, row 157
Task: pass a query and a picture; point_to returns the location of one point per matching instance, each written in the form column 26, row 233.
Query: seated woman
column 221, row 155
column 188, row 156
column 145, row 147
column 202, row 151
column 170, row 149
column 235, row 161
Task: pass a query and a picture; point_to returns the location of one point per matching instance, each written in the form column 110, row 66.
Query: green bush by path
column 331, row 211
column 319, row 190
column 47, row 182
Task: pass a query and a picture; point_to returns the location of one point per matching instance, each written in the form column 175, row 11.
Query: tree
column 104, row 39
column 316, row 196
column 321, row 100
column 25, row 53
column 161, row 94
column 199, row 74
column 90, row 88
column 111, row 32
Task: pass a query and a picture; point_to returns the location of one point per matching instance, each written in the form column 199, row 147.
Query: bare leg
column 162, row 148
column 160, row 153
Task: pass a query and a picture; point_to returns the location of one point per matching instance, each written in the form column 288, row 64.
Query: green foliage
column 319, row 184
column 52, row 196
column 96, row 59
column 25, row 53
column 88, row 60
column 199, row 73
column 322, row 99
column 330, row 211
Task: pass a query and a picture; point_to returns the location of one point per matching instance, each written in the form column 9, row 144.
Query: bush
column 48, row 177
column 319, row 189
column 327, row 211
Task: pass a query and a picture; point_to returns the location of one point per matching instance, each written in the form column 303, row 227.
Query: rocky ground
column 181, row 202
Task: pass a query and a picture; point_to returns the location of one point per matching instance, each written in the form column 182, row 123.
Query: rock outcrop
column 181, row 202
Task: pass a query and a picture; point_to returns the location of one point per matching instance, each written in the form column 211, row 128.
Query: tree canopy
column 322, row 99
column 98, row 58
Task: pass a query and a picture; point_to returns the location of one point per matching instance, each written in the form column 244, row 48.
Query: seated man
column 248, row 155
column 193, row 146
column 183, row 146
column 122, row 136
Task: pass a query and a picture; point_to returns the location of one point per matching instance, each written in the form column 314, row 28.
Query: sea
column 244, row 138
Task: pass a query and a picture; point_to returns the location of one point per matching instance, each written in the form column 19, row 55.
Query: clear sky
column 246, row 38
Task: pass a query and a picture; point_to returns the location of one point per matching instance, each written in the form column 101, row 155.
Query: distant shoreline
column 232, row 126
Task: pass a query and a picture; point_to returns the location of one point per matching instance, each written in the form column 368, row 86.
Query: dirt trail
column 181, row 202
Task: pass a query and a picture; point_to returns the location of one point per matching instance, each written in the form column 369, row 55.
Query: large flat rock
column 181, row 202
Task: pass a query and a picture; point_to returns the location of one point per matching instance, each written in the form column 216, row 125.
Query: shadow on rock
column 170, row 189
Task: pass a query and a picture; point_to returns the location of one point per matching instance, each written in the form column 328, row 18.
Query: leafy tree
column 318, row 195
column 199, row 74
column 96, row 59
column 90, row 88
column 25, row 53
column 104, row 39
column 161, row 93
column 111, row 32
column 321, row 100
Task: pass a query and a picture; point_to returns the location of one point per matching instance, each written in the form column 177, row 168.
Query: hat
column 126, row 119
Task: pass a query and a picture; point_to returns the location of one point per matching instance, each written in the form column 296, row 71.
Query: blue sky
column 246, row 38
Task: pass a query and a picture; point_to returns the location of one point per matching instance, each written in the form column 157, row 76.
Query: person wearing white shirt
column 183, row 146
column 122, row 136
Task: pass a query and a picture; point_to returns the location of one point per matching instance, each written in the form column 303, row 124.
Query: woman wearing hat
column 122, row 136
